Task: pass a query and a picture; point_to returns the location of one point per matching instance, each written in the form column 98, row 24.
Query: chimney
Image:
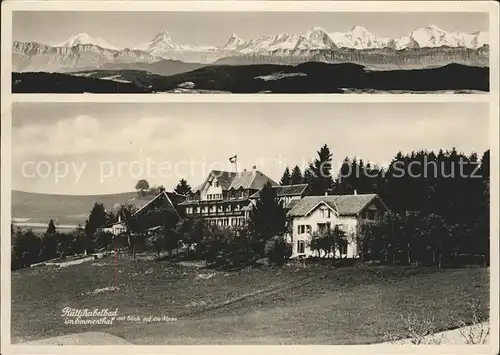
column 355, row 192
column 254, row 169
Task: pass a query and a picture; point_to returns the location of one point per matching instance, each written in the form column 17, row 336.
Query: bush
column 277, row 250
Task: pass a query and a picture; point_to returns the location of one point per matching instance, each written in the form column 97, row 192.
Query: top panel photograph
column 248, row 52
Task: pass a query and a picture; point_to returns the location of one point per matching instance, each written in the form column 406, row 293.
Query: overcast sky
column 114, row 145
column 128, row 29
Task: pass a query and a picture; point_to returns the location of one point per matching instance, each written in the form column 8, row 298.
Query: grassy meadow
column 316, row 304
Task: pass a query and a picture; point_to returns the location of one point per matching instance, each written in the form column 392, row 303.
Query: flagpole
column 233, row 161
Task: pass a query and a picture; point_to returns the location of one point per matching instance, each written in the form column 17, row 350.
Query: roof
column 210, row 202
column 109, row 225
column 159, row 196
column 345, row 205
column 286, row 190
column 254, row 180
column 291, row 204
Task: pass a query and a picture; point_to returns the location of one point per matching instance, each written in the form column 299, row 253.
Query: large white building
column 315, row 214
column 226, row 198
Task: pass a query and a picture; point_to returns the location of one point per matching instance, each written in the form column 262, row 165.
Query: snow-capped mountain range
column 84, row 38
column 82, row 50
column 316, row 38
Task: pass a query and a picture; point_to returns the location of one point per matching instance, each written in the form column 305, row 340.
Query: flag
column 233, row 159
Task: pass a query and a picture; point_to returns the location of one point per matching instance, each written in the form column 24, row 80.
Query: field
column 289, row 305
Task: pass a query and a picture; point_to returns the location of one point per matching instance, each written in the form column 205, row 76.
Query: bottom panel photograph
column 250, row 223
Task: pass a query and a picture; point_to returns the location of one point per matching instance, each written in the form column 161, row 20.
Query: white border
column 347, row 6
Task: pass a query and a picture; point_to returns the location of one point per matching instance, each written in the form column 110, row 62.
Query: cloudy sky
column 128, row 29
column 96, row 148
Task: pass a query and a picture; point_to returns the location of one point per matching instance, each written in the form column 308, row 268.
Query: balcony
column 217, row 214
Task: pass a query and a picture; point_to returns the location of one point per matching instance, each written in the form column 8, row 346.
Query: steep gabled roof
column 254, row 180
column 163, row 194
column 285, row 190
column 223, row 177
column 345, row 205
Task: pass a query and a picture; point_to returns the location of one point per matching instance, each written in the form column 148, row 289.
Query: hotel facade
column 226, row 198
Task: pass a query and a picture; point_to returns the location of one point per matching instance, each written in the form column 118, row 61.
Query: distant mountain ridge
column 310, row 77
column 83, row 51
column 34, row 208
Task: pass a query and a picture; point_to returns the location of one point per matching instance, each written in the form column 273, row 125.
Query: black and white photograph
column 132, row 225
column 354, row 211
column 250, row 52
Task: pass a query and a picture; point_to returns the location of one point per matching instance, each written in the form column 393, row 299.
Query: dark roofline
column 154, row 198
column 304, row 186
column 111, row 224
column 374, row 196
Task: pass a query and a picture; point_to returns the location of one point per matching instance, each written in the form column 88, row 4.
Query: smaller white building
column 115, row 228
column 316, row 214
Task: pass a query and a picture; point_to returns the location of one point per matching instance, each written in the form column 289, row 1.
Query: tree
column 166, row 218
column 97, row 218
column 142, row 187
column 48, row 248
column 77, row 241
column 318, row 175
column 286, row 179
column 296, row 177
column 25, row 250
column 51, row 229
column 182, row 188
column 49, row 243
column 277, row 250
column 267, row 218
column 189, row 231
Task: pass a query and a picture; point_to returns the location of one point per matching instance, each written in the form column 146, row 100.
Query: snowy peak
column 161, row 41
column 433, row 36
column 319, row 38
column 234, row 43
column 162, row 37
column 360, row 31
column 84, row 38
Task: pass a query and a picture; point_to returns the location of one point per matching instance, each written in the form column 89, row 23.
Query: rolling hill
column 311, row 77
column 36, row 209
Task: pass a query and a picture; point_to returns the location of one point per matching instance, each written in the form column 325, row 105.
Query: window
column 216, row 184
column 326, row 213
column 300, row 247
column 323, row 227
column 371, row 215
column 303, row 228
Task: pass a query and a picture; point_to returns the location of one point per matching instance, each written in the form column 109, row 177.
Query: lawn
column 289, row 305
